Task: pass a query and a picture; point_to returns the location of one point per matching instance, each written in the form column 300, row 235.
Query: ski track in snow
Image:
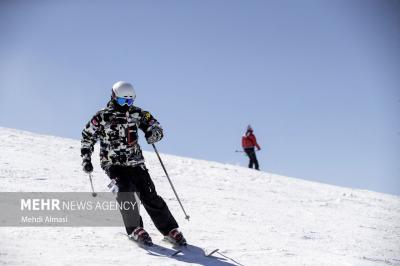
column 254, row 218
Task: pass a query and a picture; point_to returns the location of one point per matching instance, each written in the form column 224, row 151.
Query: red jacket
column 249, row 141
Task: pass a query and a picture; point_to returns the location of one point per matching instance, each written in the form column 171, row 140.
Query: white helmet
column 122, row 89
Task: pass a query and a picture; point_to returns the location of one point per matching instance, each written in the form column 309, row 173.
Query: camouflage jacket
column 118, row 135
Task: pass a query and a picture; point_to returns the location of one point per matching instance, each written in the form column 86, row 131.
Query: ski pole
column 244, row 151
column 94, row 194
column 170, row 182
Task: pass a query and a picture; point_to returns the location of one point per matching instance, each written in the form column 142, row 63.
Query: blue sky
column 318, row 80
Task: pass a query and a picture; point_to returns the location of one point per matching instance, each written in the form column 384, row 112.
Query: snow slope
column 255, row 218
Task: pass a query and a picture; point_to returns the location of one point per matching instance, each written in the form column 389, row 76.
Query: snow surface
column 255, row 218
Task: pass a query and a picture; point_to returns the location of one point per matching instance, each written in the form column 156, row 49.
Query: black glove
column 154, row 135
column 87, row 166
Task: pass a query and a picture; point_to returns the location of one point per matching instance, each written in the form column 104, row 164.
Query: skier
column 249, row 142
column 116, row 126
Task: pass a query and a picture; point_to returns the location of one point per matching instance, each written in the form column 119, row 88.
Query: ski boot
column 176, row 237
column 141, row 236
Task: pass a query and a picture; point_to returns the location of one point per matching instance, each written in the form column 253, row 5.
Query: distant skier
column 249, row 142
column 116, row 126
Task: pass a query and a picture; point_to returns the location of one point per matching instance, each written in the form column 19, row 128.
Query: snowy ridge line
column 212, row 164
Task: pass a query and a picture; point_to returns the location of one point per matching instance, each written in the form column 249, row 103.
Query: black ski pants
column 132, row 179
column 251, row 153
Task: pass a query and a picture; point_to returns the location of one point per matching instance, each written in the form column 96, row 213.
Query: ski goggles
column 122, row 101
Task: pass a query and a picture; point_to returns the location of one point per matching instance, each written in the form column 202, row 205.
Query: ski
column 156, row 249
column 209, row 254
column 176, row 253
column 190, row 248
column 161, row 251
column 205, row 252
